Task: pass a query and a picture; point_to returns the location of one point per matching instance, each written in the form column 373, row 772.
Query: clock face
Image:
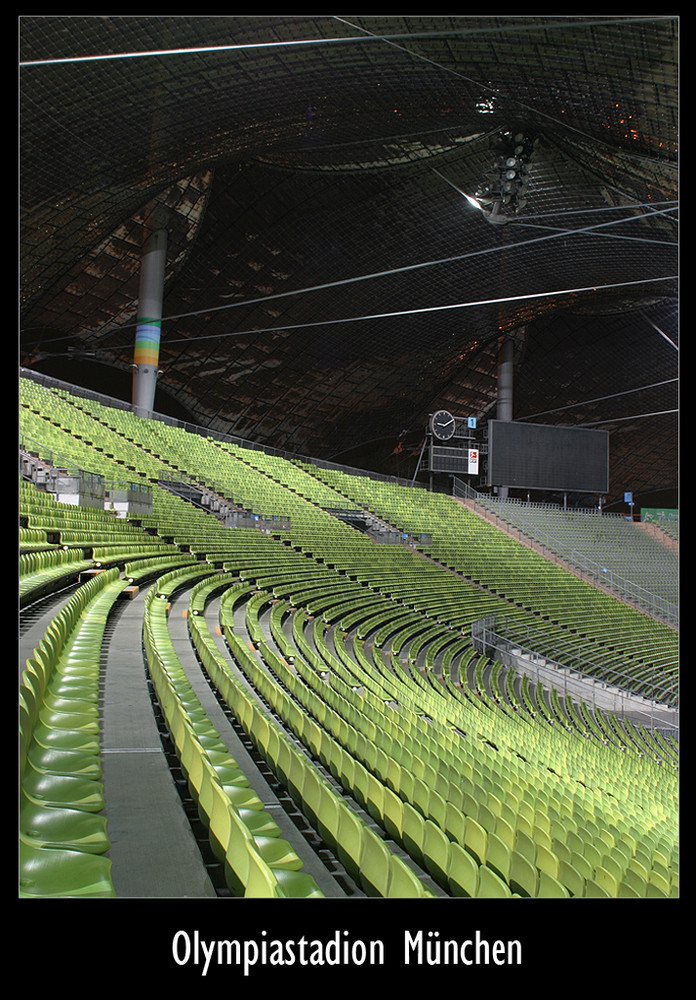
column 442, row 425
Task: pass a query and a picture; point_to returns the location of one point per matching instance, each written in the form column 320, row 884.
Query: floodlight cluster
column 507, row 181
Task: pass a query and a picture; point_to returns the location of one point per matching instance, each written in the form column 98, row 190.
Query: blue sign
column 471, row 421
column 628, row 498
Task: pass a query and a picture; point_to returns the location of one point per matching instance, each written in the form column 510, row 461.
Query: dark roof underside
column 328, row 284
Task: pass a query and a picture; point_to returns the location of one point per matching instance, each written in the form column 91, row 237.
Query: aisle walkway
column 153, row 849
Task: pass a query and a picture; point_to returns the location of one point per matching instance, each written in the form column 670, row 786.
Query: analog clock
column 442, row 425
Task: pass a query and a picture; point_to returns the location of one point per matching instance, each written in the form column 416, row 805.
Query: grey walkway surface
column 153, row 849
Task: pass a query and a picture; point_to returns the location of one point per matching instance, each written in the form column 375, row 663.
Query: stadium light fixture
column 474, row 202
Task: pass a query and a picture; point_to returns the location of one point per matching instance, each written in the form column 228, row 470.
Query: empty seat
column 51, row 872
column 463, row 875
column 571, row 878
column 436, row 853
column 606, row 880
column 523, row 875
column 374, row 868
column 550, row 887
column 498, row 856
column 491, row 885
column 476, row 840
column 403, row 881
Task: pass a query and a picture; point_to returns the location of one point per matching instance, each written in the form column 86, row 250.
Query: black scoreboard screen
column 538, row 456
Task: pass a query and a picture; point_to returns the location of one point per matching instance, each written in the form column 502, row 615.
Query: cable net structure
column 343, row 255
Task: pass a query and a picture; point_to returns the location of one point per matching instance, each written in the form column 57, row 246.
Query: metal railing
column 496, row 639
column 61, row 476
column 592, row 571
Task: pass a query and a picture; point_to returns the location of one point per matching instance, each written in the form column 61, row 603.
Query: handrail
column 490, row 636
column 607, row 579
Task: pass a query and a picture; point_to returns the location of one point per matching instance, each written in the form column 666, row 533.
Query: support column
column 147, row 334
column 506, row 358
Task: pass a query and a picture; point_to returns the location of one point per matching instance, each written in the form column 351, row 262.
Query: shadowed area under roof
column 328, row 284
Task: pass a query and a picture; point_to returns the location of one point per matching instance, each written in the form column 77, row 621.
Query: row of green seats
column 464, row 542
column 352, row 759
column 550, row 872
column 365, row 855
column 40, row 572
column 63, row 836
column 242, row 834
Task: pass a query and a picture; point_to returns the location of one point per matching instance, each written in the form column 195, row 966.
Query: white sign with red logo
column 473, row 461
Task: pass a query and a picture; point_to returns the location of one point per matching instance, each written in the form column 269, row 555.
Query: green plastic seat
column 219, row 826
column 486, row 818
column 455, row 823
column 436, row 853
column 328, row 818
column 403, row 881
column 491, row 885
column 437, row 808
column 594, row 890
column 606, row 880
column 312, row 795
column 581, row 865
column 277, row 853
column 546, row 861
column 635, row 881
column 297, row 885
column 653, row 891
column 550, row 887
column 592, row 855
column 361, row 784
column 498, row 856
column 463, row 876
column 62, row 828
column 63, row 791
column 525, row 845
column 50, row 872
column 374, row 864
column 375, row 798
column 413, row 837
column 57, row 760
column 523, row 875
column 571, row 878
column 657, row 879
column 393, row 818
column 78, row 740
column 476, row 840
column 506, row 832
column 296, row 777
column 614, row 865
column 260, row 881
column 560, row 849
column 349, row 841
column 640, row 869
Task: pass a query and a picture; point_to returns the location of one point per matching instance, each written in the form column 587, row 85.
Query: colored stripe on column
column 147, row 341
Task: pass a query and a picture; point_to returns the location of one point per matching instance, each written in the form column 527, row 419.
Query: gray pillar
column 506, row 358
column 147, row 334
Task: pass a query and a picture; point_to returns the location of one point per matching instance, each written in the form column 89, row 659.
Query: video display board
column 538, row 456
